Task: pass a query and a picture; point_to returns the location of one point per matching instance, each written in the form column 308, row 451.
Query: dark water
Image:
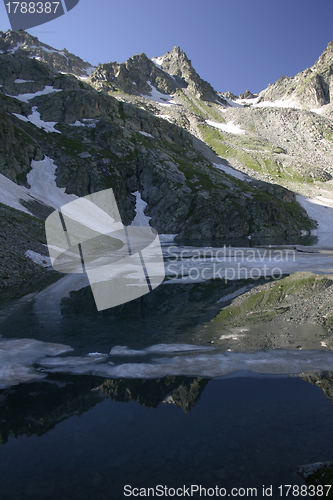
column 65, row 440
column 79, row 434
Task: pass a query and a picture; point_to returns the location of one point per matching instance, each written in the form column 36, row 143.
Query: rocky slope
column 21, row 43
column 310, row 88
column 293, row 312
column 154, row 126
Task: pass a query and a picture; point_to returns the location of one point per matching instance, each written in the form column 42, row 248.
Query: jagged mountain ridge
column 104, row 136
column 57, row 60
column 168, row 73
column 312, row 87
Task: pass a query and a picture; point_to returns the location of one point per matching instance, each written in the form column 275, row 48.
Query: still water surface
column 136, row 395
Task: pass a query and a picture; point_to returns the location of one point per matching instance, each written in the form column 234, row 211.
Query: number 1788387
column 32, row 7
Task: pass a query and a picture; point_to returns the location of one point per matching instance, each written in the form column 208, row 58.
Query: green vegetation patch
column 267, row 302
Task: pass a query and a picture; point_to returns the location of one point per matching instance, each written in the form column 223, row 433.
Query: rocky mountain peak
column 177, row 64
column 312, row 87
column 22, row 43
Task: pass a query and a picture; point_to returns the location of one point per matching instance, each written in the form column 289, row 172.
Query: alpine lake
column 154, row 399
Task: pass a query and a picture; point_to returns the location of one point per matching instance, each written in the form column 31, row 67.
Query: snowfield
column 156, row 96
column 43, row 188
column 229, row 127
column 36, row 120
column 27, row 97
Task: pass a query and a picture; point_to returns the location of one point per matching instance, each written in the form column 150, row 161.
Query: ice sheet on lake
column 197, row 264
column 273, row 362
column 156, row 349
column 17, row 358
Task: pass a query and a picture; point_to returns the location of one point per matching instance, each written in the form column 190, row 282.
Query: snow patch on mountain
column 18, row 80
column 140, row 219
column 42, row 180
column 320, row 210
column 146, row 134
column 281, row 103
column 38, row 258
column 43, row 188
column 157, row 96
column 232, row 171
column 27, row 97
column 36, row 120
column 229, row 127
column 158, row 61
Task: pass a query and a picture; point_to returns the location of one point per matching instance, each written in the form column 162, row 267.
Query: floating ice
column 156, row 349
column 273, row 362
column 18, row 356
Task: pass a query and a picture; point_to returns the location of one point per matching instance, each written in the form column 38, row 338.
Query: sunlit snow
column 158, row 61
column 233, row 172
column 27, row 97
column 229, row 127
column 282, row 103
column 36, row 120
column 44, row 189
column 146, row 134
column 157, row 96
column 18, row 80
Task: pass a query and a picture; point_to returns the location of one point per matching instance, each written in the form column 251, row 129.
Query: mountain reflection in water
column 89, row 436
column 128, row 395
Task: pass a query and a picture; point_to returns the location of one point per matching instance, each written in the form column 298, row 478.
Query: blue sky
column 233, row 44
